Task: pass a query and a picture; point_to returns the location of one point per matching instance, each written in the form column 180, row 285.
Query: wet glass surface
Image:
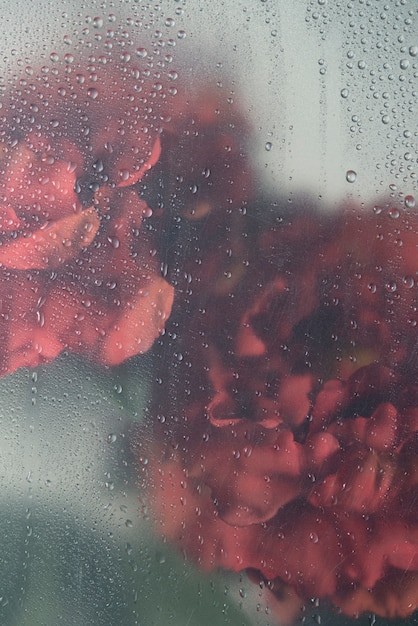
column 208, row 313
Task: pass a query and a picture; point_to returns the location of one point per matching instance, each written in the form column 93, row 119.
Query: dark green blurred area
column 53, row 572
column 76, row 547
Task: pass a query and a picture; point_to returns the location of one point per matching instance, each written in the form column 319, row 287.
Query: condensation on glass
column 208, row 313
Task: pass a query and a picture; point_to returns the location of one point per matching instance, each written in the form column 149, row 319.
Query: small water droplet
column 394, row 213
column 344, row 93
column 129, row 523
column 141, row 53
column 409, row 202
column 92, row 93
column 268, row 146
column 111, row 438
column 390, row 287
column 147, row 212
column 408, row 282
column 114, row 241
column 413, row 51
column 351, row 176
column 97, row 22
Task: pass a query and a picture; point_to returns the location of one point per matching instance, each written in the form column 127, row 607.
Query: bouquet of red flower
column 288, row 447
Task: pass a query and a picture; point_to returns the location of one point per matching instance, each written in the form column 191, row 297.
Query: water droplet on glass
column 54, row 57
column 408, row 282
column 97, row 22
column 391, row 287
column 92, row 93
column 404, row 64
column 147, row 212
column 351, row 176
column 409, row 202
column 344, row 93
column 372, row 619
column 141, row 52
column 413, row 51
column 268, row 146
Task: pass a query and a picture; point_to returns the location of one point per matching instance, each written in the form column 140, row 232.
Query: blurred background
column 329, row 86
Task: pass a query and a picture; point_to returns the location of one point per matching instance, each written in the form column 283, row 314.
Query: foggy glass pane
column 208, row 313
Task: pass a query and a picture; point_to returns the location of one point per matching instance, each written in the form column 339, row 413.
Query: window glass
column 208, row 312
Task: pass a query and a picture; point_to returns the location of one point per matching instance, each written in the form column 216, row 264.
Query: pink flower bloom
column 78, row 269
column 292, row 451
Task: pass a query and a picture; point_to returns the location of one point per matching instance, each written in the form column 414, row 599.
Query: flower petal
column 133, row 178
column 52, row 246
column 140, row 323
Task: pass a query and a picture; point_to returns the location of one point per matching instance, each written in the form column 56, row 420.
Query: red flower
column 78, row 269
column 292, row 451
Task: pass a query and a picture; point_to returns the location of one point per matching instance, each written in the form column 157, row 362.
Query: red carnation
column 292, row 447
column 78, row 268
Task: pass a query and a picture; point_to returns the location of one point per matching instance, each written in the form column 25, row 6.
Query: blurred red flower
column 292, row 448
column 78, row 269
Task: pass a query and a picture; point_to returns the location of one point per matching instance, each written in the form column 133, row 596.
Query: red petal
column 140, row 323
column 52, row 246
column 136, row 176
column 8, row 219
